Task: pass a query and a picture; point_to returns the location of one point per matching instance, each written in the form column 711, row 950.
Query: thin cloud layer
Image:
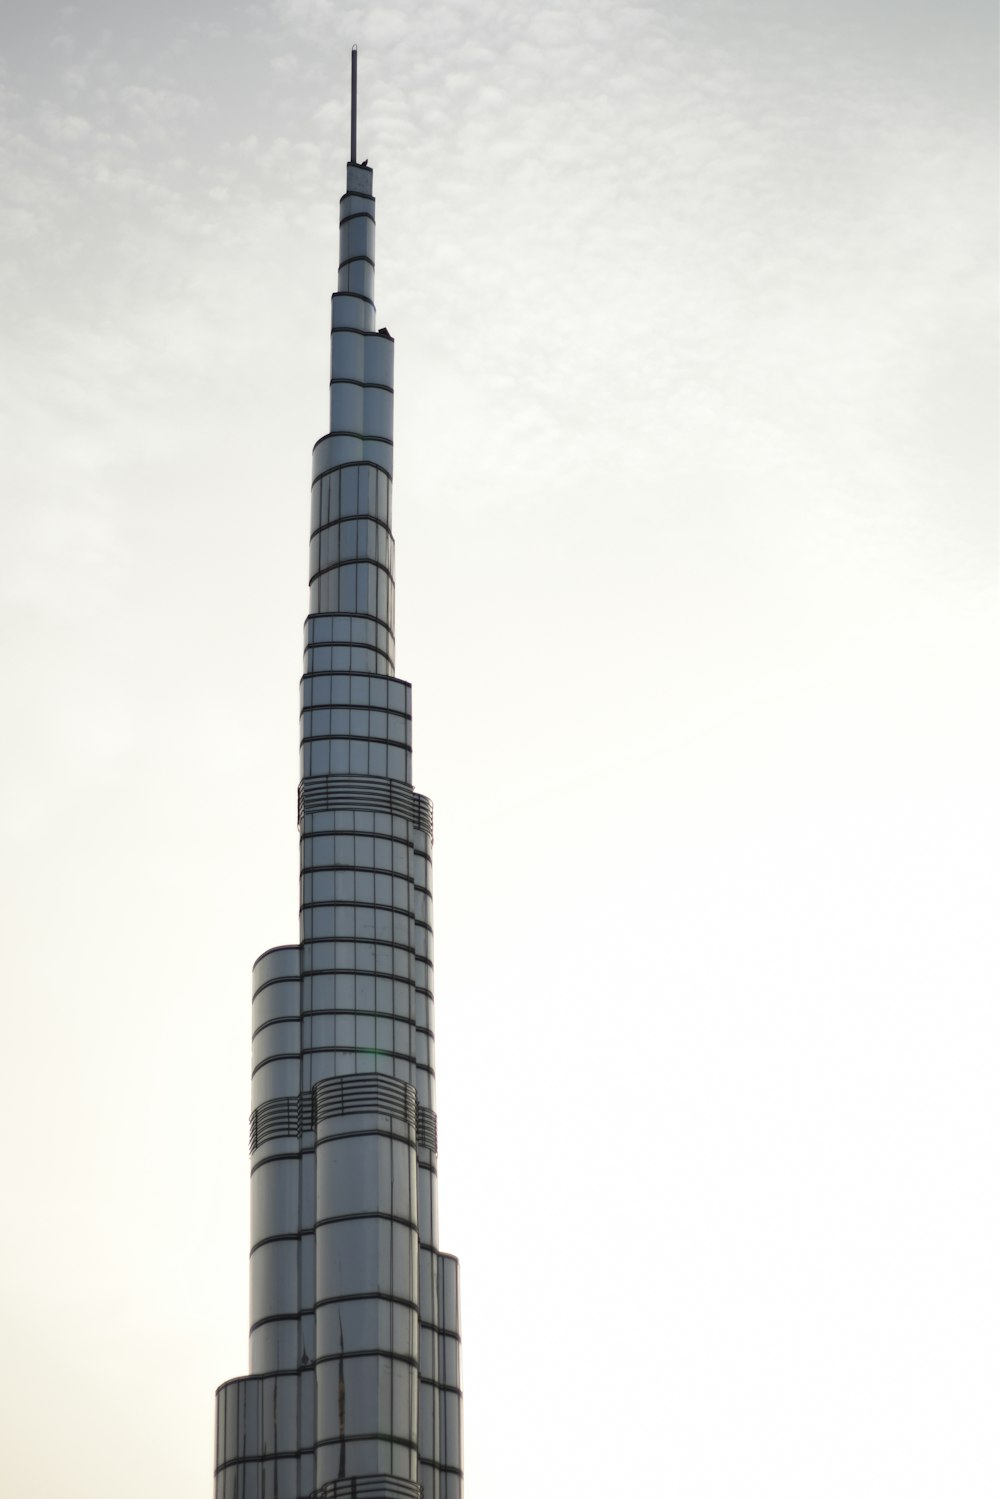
column 695, row 516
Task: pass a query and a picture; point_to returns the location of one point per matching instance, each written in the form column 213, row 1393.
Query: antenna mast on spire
column 354, row 105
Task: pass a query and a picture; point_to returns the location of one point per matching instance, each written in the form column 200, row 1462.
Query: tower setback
column 354, row 1389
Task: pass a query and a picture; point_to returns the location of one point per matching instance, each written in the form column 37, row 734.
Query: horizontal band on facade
column 353, row 691
column 385, row 943
column 340, row 866
column 340, row 614
column 369, row 1486
column 343, row 520
column 332, row 1219
column 384, row 638
column 364, row 384
column 284, row 1155
column 279, row 1056
column 333, row 567
column 375, row 739
column 365, row 793
column 367, row 972
column 280, row 978
column 320, row 973
column 279, row 1455
column 403, row 1301
column 437, row 1384
column 344, row 722
column 277, row 1316
column 310, row 1311
column 324, row 1011
column 336, row 468
column 313, row 643
column 379, row 662
column 336, row 1097
column 309, row 1148
column 310, row 970
column 388, row 831
column 352, row 645
column 333, row 1011
column 297, row 1019
column 357, row 297
column 284, row 1454
column 269, row 952
column 365, row 1436
column 312, row 673
column 335, row 970
column 291, row 1237
column 304, row 1313
column 354, row 259
column 408, row 1359
column 353, row 901
column 360, row 942
column 333, row 1049
column 296, row 1235
column 293, row 1371
column 361, row 437
column 342, row 1049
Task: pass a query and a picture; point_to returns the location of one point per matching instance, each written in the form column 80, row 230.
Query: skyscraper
column 354, row 1390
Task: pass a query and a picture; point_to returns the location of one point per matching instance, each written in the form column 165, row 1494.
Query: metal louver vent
column 366, row 1093
column 281, row 1116
column 427, row 1128
column 367, row 794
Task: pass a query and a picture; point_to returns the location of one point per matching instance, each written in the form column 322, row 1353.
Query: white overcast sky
column 695, row 507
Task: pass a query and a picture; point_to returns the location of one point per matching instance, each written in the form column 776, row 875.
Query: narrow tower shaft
column 354, row 1389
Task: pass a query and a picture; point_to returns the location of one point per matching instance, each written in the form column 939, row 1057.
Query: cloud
column 159, row 106
column 66, row 129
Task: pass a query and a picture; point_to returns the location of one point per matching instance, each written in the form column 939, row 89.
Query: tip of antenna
column 355, row 47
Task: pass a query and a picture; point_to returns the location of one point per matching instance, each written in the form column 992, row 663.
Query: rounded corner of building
column 283, row 961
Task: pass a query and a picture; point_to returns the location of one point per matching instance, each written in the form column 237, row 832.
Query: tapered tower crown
column 354, row 1389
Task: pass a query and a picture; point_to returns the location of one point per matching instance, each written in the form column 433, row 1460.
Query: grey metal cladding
column 354, row 1390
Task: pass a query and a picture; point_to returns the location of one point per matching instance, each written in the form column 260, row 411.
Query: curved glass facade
column 354, row 1389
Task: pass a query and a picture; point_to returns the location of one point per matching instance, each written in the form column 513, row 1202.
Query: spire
column 354, row 105
column 359, row 174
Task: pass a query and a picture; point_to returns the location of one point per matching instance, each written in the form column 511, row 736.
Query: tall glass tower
column 354, row 1390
